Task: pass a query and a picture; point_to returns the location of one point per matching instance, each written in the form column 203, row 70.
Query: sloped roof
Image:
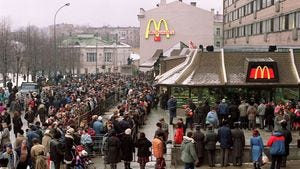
column 236, row 71
column 150, row 62
column 206, row 69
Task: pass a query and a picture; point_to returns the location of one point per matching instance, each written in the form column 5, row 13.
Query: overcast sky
column 83, row 12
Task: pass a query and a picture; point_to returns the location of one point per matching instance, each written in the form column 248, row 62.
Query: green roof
column 85, row 40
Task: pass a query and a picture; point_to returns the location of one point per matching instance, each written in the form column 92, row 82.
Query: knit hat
column 70, row 131
column 128, row 131
column 99, row 118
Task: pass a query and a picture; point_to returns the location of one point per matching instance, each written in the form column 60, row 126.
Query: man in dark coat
column 210, row 141
column 238, row 139
column 172, row 107
column 199, row 140
column 205, row 110
column 234, row 113
column 225, row 139
column 288, row 139
column 56, row 149
column 127, row 147
column 113, row 150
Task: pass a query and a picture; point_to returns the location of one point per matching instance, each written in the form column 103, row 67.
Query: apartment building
column 261, row 23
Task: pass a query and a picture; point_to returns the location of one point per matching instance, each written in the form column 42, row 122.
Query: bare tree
column 5, row 48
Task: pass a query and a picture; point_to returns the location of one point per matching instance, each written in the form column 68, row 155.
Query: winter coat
column 127, row 147
column 56, row 151
column 172, row 106
column 224, row 136
column 287, row 140
column 238, row 139
column 29, row 116
column 37, row 150
column 277, row 125
column 178, row 137
column 143, row 146
column 69, row 151
column 5, row 137
column 86, row 139
column 257, row 148
column 276, row 144
column 98, row 127
column 113, row 150
column 212, row 118
column 30, row 136
column 199, row 143
column 17, row 124
column 46, row 141
column 13, row 159
column 261, row 109
column 269, row 113
column 158, row 148
column 223, row 109
column 19, row 140
column 243, row 109
column 188, row 150
column 210, row 140
column 251, row 112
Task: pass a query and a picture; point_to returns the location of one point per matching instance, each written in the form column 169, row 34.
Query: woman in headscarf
column 257, row 148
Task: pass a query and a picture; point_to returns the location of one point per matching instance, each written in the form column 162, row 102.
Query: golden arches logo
column 157, row 29
column 262, row 72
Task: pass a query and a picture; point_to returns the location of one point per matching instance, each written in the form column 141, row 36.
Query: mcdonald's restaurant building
column 271, row 76
column 170, row 23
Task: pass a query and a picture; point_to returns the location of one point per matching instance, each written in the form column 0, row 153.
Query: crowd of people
column 231, row 121
column 55, row 133
column 64, row 121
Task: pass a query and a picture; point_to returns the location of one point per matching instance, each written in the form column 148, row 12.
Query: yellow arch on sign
column 157, row 28
column 262, row 72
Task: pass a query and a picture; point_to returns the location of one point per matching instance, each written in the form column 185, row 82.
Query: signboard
column 157, row 29
column 262, row 72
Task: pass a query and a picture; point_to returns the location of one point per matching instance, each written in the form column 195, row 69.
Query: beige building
column 171, row 23
column 97, row 55
column 261, row 23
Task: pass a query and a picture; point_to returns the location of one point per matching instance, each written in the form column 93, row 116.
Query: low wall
column 176, row 154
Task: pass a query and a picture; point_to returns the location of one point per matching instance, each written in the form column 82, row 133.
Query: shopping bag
column 265, row 158
column 52, row 166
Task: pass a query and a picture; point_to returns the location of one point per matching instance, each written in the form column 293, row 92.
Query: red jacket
column 178, row 137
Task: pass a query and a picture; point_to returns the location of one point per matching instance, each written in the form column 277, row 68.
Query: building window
column 258, row 4
column 249, row 30
column 91, row 57
column 276, row 24
column 218, row 44
column 218, row 31
column 108, row 56
column 241, row 31
column 241, row 11
column 298, row 19
column 292, row 20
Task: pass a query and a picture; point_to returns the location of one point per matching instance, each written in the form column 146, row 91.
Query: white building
column 97, row 55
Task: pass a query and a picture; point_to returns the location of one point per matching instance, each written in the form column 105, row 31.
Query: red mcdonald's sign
column 262, row 72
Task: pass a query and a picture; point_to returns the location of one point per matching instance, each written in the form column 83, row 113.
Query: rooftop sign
column 157, row 30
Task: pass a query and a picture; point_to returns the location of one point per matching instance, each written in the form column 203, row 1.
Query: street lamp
column 54, row 32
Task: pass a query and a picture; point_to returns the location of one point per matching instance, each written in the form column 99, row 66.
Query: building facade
column 218, row 30
column 261, row 22
column 171, row 23
column 97, row 55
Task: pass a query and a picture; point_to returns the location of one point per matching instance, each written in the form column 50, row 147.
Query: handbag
column 265, row 158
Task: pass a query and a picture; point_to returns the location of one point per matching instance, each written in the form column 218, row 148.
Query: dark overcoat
column 199, row 143
column 113, row 150
column 127, row 147
column 238, row 139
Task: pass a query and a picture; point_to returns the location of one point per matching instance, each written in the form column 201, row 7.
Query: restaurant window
column 181, row 94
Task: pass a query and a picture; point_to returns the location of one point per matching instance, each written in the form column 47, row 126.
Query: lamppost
column 54, row 33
